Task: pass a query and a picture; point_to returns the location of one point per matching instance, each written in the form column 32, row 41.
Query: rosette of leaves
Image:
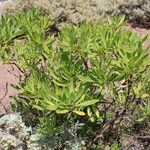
column 65, row 100
column 26, row 25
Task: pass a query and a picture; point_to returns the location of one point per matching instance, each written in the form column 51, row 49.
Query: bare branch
column 6, row 91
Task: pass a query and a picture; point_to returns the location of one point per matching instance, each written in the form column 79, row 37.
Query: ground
column 7, row 78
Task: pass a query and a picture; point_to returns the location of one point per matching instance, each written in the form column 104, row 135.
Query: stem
column 85, row 62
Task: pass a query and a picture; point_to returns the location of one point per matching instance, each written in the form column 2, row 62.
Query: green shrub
column 92, row 74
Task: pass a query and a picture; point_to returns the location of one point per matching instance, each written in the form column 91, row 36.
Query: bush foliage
column 79, row 11
column 137, row 10
column 15, row 135
column 89, row 81
column 68, row 11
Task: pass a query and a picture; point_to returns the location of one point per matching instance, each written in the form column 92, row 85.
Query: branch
column 98, row 135
column 87, row 63
column 13, row 74
column 143, row 137
column 6, row 91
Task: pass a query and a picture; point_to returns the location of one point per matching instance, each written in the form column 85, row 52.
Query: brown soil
column 8, row 78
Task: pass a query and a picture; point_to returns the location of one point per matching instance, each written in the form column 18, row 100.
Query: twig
column 85, row 63
column 13, row 74
column 98, row 135
column 143, row 137
column 22, row 71
column 6, row 91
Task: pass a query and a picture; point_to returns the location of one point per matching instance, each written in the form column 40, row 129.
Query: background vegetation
column 78, row 11
column 74, row 11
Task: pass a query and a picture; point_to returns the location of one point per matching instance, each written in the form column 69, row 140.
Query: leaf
column 119, row 77
column 143, row 39
column 96, row 112
column 58, row 83
column 51, row 106
column 80, row 99
column 80, row 113
column 37, row 107
column 71, row 86
column 92, row 119
column 87, row 103
column 62, row 111
column 145, row 95
column 53, row 97
column 85, row 79
column 140, row 120
column 89, row 112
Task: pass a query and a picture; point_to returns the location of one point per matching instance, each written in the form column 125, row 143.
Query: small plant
column 92, row 76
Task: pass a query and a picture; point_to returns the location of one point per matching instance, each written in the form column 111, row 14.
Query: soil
column 9, row 78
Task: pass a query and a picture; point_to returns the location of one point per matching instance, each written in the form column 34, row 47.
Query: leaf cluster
column 92, row 73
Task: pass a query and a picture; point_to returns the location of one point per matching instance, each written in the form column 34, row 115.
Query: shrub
column 91, row 77
column 79, row 11
column 13, row 132
column 72, row 11
column 15, row 135
column 137, row 10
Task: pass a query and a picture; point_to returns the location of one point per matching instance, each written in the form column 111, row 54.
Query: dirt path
column 7, row 78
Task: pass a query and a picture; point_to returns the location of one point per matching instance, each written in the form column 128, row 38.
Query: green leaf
column 89, row 112
column 119, row 77
column 85, row 79
column 53, row 97
column 96, row 112
column 62, row 111
column 141, row 119
column 80, row 113
column 145, row 95
column 87, row 103
column 51, row 106
column 37, row 107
